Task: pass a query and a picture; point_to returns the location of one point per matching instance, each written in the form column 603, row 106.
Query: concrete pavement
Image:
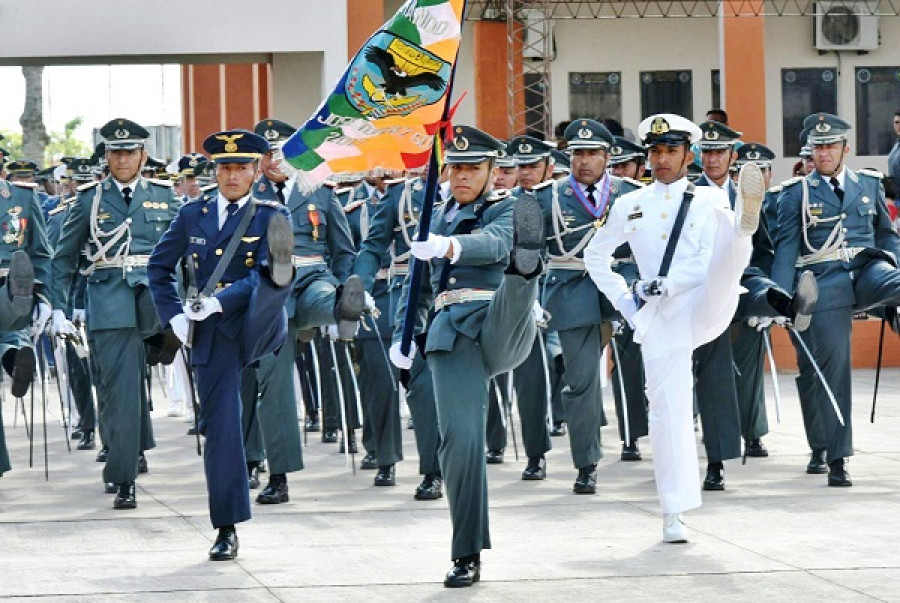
column 774, row 534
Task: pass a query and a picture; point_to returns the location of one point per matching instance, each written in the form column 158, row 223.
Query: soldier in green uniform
column 117, row 223
column 323, row 255
column 484, row 260
column 574, row 209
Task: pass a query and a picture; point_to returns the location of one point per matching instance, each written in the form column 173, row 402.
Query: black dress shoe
column 536, row 469
column 280, row 237
column 756, row 449
column 192, row 430
column 23, row 371
column 494, row 457
column 431, row 488
column 142, row 464
column 125, row 497
column 87, row 441
column 816, row 464
column 353, row 447
column 631, row 452
column 559, row 429
column 226, row 545
column 350, row 305
column 385, row 476
column 253, row 475
column 103, row 454
column 275, row 492
column 586, row 482
column 110, row 488
column 76, row 434
column 465, row 572
column 410, row 424
column 370, row 461
column 329, row 436
column 837, row 474
column 313, row 424
column 714, row 479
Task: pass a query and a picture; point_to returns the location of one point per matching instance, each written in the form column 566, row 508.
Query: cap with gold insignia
column 716, row 136
column 562, row 164
column 623, row 151
column 235, row 146
column 274, row 131
column 152, row 164
column 668, row 129
column 825, row 128
column 45, row 174
column 471, row 145
column 79, row 169
column 192, row 164
column 528, row 149
column 123, row 134
column 587, row 134
column 504, row 159
column 754, row 152
column 21, row 168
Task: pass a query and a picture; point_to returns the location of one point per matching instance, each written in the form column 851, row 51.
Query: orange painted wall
column 492, row 104
column 864, row 346
column 744, row 69
column 363, row 18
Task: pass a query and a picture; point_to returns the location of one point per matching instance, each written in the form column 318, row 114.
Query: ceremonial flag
column 387, row 107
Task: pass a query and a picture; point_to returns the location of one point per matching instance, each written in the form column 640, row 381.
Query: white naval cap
column 668, row 128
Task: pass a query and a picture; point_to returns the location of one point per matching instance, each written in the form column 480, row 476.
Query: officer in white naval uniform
column 675, row 310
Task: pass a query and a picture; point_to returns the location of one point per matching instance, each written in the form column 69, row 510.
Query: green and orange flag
column 387, row 107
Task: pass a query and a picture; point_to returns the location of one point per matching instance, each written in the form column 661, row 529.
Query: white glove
column 436, row 246
column 617, row 327
column 331, row 331
column 538, row 314
column 652, row 288
column 180, row 326
column 208, row 307
column 40, row 316
column 627, row 307
column 761, row 323
column 370, row 302
column 59, row 325
column 79, row 316
column 397, row 357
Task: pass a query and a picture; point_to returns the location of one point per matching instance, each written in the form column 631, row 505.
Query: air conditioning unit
column 846, row 25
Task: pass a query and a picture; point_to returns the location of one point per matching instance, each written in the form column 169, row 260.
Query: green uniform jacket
column 22, row 227
column 110, row 291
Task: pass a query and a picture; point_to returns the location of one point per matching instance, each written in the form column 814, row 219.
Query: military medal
column 314, row 220
column 598, row 224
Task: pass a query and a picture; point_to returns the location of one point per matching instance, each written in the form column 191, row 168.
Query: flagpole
column 431, row 182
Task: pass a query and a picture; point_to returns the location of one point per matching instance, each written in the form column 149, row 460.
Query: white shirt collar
column 841, row 178
column 597, row 185
column 288, row 188
column 222, row 204
column 132, row 185
column 674, row 190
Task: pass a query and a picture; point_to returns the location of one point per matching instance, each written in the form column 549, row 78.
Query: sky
column 147, row 94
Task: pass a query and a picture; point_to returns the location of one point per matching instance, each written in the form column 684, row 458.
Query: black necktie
column 231, row 208
column 590, row 194
column 837, row 188
column 126, row 194
column 279, row 190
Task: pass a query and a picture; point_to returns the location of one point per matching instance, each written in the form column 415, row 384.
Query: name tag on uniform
column 816, row 211
column 196, row 241
column 636, row 215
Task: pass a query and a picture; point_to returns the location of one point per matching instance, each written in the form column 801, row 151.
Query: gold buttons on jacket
column 664, row 236
column 218, row 252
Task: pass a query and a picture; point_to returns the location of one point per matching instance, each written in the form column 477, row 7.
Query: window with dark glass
column 667, row 92
column 595, row 95
column 877, row 99
column 804, row 91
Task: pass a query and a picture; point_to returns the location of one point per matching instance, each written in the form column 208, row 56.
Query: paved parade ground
column 774, row 534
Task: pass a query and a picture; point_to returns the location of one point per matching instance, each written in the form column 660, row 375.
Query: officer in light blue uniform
column 116, row 224
column 834, row 222
column 382, row 264
column 237, row 319
column 574, row 209
column 483, row 254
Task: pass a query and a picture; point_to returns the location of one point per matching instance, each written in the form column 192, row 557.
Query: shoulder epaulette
column 197, row 200
column 63, row 206
column 636, row 183
column 208, row 187
column 267, row 203
column 543, row 184
column 872, row 173
column 791, row 181
column 354, row 205
column 25, row 184
column 775, row 189
column 499, row 195
column 342, row 190
column 166, row 183
column 330, row 184
column 394, row 181
column 87, row 186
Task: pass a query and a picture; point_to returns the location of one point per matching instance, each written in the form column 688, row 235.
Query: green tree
column 64, row 144
column 12, row 142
